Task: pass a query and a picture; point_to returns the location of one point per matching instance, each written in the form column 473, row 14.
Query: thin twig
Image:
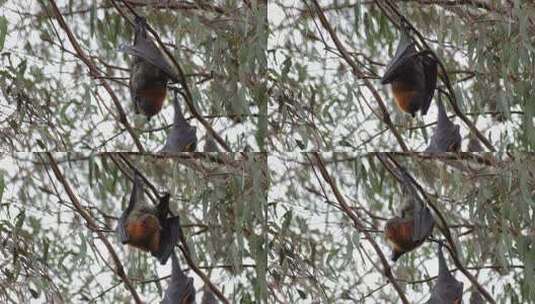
column 357, row 72
column 93, row 70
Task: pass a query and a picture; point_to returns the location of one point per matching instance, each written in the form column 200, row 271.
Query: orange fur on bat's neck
column 155, row 97
column 405, row 96
column 398, row 232
column 144, row 233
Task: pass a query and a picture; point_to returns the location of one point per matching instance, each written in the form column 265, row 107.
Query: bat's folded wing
column 152, row 55
column 404, row 54
column 180, row 139
column 135, row 197
column 121, row 231
column 423, row 224
column 169, row 237
column 430, row 70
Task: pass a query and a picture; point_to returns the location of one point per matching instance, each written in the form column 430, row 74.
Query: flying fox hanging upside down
column 150, row 72
column 446, row 136
column 413, row 76
column 182, row 137
column 147, row 227
column 416, row 223
column 447, row 290
column 180, row 289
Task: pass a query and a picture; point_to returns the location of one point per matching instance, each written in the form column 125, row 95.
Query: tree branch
column 93, row 227
column 387, row 271
column 95, row 73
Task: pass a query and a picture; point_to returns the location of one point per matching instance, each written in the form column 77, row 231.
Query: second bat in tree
column 180, row 288
column 182, row 137
column 446, row 136
column 447, row 290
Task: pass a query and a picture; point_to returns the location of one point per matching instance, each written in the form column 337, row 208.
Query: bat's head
column 396, row 254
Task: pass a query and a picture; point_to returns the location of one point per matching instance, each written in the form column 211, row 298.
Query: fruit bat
column 182, row 137
column 446, row 136
column 447, row 290
column 476, row 298
column 180, row 289
column 413, row 76
column 150, row 72
column 147, row 227
column 416, row 223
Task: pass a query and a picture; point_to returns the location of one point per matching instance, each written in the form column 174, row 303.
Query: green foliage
column 220, row 199
column 317, row 253
column 221, row 47
column 486, row 50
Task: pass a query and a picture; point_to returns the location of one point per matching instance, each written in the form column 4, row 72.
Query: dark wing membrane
column 163, row 206
column 208, row 296
column 446, row 289
column 121, row 231
column 169, row 236
column 182, row 136
column 180, row 140
column 430, row 70
column 210, row 145
column 423, row 224
column 476, row 298
column 179, row 119
column 145, row 48
column 404, row 52
column 446, row 136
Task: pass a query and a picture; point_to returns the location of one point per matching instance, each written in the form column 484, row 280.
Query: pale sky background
column 319, row 215
column 499, row 132
column 276, row 16
column 15, row 43
column 224, row 282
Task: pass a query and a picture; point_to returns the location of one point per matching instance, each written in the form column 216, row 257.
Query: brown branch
column 387, row 271
column 358, row 73
column 185, row 250
column 93, row 70
column 93, row 227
